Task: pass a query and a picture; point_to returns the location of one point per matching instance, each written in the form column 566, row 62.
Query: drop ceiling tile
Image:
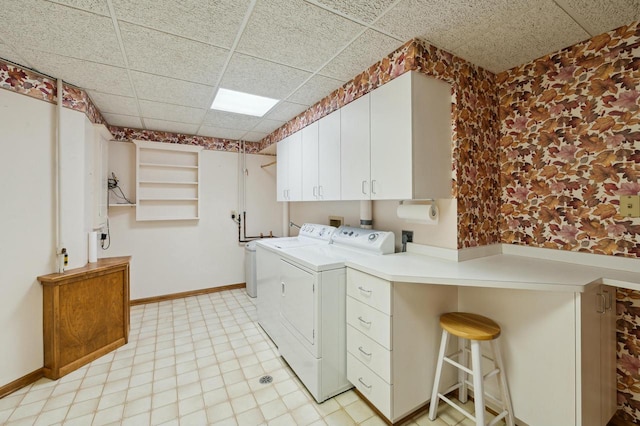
column 57, row 29
column 214, row 22
column 96, row 6
column 315, row 89
column 123, row 120
column 170, row 112
column 363, row 10
column 598, row 17
column 6, row 52
column 171, row 91
column 259, row 77
column 268, row 126
column 230, row 120
column 170, row 126
column 254, row 136
column 172, row 56
column 85, row 74
column 114, row 104
column 296, row 33
column 220, row 132
column 285, row 111
column 365, row 51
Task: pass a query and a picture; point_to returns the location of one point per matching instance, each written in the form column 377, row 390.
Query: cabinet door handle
column 320, row 191
column 602, row 304
column 363, row 352
column 364, row 290
column 609, row 302
column 363, row 383
column 373, row 186
column 364, row 182
column 367, row 323
column 282, row 284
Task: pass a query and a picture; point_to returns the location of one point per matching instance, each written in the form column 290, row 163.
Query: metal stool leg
column 433, row 405
column 502, row 379
column 462, row 375
column 478, row 388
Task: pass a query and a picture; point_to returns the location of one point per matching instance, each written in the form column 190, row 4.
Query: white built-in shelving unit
column 167, row 181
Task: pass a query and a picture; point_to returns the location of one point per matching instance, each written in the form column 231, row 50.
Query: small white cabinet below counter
column 393, row 333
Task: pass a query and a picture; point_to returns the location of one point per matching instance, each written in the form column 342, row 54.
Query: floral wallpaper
column 475, row 168
column 569, row 147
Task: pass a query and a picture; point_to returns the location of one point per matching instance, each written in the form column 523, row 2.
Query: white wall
column 177, row 256
column 27, row 229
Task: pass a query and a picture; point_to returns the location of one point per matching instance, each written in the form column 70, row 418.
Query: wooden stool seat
column 470, row 326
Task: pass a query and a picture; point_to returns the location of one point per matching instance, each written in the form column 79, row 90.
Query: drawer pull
column 364, row 290
column 363, row 383
column 363, row 352
column 367, row 323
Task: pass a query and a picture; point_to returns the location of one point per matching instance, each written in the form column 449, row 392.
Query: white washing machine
column 268, row 255
column 313, row 307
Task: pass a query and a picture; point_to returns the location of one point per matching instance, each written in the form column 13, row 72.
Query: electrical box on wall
column 336, row 221
column 630, row 205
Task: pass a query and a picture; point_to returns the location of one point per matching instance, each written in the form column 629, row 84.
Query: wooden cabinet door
column 329, row 157
column 354, row 149
column 310, row 162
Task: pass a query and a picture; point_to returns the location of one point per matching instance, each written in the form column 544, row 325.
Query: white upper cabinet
column 310, row 162
column 411, row 139
column 98, row 169
column 354, row 149
column 329, row 157
column 289, row 168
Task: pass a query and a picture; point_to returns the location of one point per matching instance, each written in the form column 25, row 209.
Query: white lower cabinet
column 393, row 332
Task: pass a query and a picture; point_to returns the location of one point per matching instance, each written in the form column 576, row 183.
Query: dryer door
column 298, row 303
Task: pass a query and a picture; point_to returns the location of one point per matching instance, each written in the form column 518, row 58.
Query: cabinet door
column 354, row 149
column 310, row 162
column 295, row 167
column 282, row 169
column 391, row 140
column 329, row 157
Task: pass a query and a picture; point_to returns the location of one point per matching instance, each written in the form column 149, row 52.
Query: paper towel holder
column 433, row 210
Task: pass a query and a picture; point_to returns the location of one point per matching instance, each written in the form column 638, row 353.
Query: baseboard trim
column 23, row 381
column 173, row 296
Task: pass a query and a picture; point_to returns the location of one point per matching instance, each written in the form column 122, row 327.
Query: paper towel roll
column 93, row 247
column 418, row 213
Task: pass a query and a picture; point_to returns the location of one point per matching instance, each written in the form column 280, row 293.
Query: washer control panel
column 313, row 230
column 378, row 242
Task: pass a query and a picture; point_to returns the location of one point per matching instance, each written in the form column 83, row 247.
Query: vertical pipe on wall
column 366, row 214
column 59, row 250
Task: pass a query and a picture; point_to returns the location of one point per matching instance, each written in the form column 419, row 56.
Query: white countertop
column 497, row 271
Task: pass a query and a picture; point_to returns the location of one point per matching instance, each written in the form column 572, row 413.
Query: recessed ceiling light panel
column 242, row 103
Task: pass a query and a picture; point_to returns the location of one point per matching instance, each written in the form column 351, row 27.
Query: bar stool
column 474, row 328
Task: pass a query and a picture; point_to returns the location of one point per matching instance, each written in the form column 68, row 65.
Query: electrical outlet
column 407, row 236
column 630, row 205
column 234, row 214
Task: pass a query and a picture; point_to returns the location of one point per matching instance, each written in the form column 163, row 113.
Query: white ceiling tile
column 85, row 74
column 315, row 89
column 220, row 132
column 172, row 56
column 247, row 74
column 6, row 52
column 123, row 120
column 295, row 33
column 58, row 29
column 170, row 126
column 214, row 22
column 363, row 10
column 230, row 120
column 254, row 136
column 114, row 103
column 169, row 90
column 171, row 112
column 365, row 51
column 285, row 111
column 96, row 6
column 268, row 126
column 598, row 17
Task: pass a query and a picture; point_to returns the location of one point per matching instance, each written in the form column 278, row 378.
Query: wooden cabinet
column 411, row 138
column 354, row 149
column 85, row 314
column 167, row 181
column 393, row 335
column 289, row 168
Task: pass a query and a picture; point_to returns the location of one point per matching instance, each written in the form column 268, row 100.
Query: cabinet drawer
column 370, row 322
column 370, row 353
column 370, row 385
column 368, row 289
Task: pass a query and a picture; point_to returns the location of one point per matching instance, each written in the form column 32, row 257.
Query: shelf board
column 162, row 182
column 122, row 205
column 172, row 166
column 148, row 219
column 166, row 199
